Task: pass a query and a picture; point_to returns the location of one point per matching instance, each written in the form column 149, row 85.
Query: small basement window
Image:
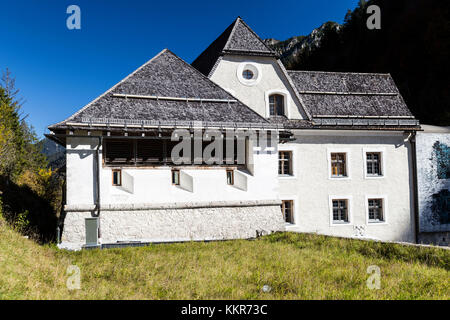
column 176, row 177
column 375, row 210
column 116, row 177
column 287, row 208
column 340, row 211
column 230, row 177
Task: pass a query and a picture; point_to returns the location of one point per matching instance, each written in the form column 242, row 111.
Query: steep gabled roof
column 238, row 38
column 343, row 94
column 164, row 90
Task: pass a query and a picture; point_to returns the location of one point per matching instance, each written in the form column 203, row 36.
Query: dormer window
column 276, row 105
column 247, row 74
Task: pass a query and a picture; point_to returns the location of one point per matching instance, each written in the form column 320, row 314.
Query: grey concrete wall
column 175, row 224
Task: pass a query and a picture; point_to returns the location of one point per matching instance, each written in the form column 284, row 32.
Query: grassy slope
column 296, row 266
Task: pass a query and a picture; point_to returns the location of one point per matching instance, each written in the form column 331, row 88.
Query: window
column 116, row 177
column 157, row 152
column 287, row 208
column 376, row 213
column 247, row 74
column 340, row 211
column 269, row 139
column 338, row 165
column 176, row 177
column 285, row 163
column 276, row 105
column 373, row 163
column 230, row 177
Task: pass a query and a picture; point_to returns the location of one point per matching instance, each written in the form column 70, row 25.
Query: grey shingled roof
column 238, row 38
column 167, row 77
column 345, row 94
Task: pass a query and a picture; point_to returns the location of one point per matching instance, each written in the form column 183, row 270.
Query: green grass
column 295, row 266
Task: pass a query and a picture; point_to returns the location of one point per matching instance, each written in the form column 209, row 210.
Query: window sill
column 339, row 178
column 340, row 224
column 376, row 223
column 373, row 177
column 286, row 176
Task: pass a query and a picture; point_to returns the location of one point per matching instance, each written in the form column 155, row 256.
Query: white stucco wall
column 142, row 188
column 256, row 96
column 311, row 186
column 146, row 185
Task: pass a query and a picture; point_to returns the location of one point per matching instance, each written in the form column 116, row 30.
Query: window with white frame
column 230, row 177
column 287, row 208
column 276, row 105
column 374, row 164
column 116, row 177
column 340, row 210
column 376, row 210
column 338, row 164
column 285, row 163
column 176, row 177
column 248, row 73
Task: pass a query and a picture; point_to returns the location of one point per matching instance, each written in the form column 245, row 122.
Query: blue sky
column 58, row 70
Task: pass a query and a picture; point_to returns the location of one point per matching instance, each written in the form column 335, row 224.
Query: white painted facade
column 270, row 79
column 147, row 207
column 310, row 186
column 148, row 204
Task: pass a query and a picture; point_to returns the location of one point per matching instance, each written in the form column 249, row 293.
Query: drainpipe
column 97, row 167
column 415, row 185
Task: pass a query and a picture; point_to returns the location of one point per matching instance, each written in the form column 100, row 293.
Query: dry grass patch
column 295, row 266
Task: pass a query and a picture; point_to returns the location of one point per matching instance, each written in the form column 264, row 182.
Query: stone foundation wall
column 175, row 224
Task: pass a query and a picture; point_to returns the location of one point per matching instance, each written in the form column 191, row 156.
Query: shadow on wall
column 27, row 212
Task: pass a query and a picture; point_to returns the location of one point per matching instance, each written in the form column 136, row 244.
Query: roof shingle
column 349, row 94
column 238, row 38
column 169, row 77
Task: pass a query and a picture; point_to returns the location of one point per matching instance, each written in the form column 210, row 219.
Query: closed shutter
column 149, row 151
column 119, row 152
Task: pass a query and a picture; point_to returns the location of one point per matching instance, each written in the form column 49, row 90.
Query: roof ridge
column 341, row 72
column 254, row 33
column 235, row 22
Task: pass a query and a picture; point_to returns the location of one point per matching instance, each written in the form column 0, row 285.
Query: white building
column 341, row 164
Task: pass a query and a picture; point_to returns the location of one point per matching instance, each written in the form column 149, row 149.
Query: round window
column 247, row 74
